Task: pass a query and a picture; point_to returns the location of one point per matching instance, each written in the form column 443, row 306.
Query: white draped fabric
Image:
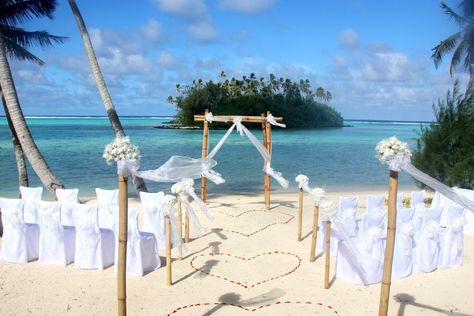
column 375, row 203
column 417, row 197
column 153, row 216
column 107, row 201
column 95, row 247
column 451, row 241
column 142, row 250
column 31, row 196
column 56, row 243
column 404, row 241
column 427, row 246
column 468, row 216
column 20, row 240
column 68, row 199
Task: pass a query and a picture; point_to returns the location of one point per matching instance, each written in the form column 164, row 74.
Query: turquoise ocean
column 337, row 159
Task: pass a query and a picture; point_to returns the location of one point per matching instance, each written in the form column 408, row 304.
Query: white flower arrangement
column 182, row 186
column 327, row 209
column 168, row 201
column 301, row 178
column 121, row 149
column 318, row 193
column 389, row 148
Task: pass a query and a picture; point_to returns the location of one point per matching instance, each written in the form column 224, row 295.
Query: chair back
column 404, row 215
column 31, row 193
column 432, row 215
column 417, row 197
column 454, row 213
column 68, row 195
column 348, row 204
column 375, row 203
column 85, row 218
column 151, row 198
column 50, row 219
column 374, row 220
column 12, row 213
column 107, row 196
column 400, row 198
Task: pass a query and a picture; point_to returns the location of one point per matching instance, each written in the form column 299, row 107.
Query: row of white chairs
column 422, row 243
column 82, row 240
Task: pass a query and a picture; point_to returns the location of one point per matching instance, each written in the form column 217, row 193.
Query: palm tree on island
column 14, row 43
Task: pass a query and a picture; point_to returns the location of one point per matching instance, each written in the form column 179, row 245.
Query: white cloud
column 348, row 39
column 202, row 31
column 246, row 6
column 183, row 8
column 152, row 29
column 166, row 60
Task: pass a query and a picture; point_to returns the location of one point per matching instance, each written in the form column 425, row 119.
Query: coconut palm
column 461, row 43
column 101, row 86
column 14, row 42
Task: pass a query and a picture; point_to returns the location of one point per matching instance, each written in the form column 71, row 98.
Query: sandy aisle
column 247, row 257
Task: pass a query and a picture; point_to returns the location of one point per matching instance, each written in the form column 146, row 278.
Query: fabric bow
column 271, row 120
column 433, row 230
column 127, row 167
column 276, row 175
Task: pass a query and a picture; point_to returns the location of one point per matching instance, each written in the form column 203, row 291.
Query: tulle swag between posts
column 397, row 155
column 127, row 156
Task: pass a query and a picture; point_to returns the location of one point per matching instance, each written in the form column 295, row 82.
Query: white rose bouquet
column 121, row 149
column 393, row 152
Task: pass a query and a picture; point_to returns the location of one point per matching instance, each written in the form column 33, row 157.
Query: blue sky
column 374, row 56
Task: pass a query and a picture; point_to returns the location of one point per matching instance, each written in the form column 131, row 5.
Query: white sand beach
column 247, row 261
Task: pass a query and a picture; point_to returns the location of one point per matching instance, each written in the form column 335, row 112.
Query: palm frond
column 29, row 39
column 13, row 12
column 444, row 47
column 19, row 52
column 457, row 55
column 459, row 19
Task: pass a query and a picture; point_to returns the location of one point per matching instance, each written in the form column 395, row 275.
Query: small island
column 295, row 101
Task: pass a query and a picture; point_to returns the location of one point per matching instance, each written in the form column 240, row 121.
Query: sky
column 373, row 56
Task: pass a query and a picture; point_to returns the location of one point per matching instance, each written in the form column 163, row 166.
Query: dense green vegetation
column 445, row 149
column 295, row 101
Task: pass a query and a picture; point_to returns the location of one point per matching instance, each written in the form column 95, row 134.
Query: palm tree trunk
column 19, row 156
column 31, row 151
column 101, row 86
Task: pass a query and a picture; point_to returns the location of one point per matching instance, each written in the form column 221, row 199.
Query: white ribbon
column 406, row 232
column 127, row 167
column 238, row 125
column 276, row 175
column 271, row 120
column 433, row 230
column 201, row 203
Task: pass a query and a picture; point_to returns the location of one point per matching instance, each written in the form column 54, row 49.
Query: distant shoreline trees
column 295, row 101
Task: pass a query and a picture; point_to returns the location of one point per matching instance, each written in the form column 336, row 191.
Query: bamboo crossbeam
column 230, row 118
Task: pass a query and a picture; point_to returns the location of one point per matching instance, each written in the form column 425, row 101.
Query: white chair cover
column 142, row 251
column 347, row 212
column 20, row 240
column 369, row 268
column 31, row 196
column 426, row 250
column 375, row 203
column 106, row 201
column 56, row 243
column 95, row 248
column 68, row 199
column 417, row 197
column 153, row 216
column 403, row 252
column 468, row 215
column 452, row 240
column 400, row 196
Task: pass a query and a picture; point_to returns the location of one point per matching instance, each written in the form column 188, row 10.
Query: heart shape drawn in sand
column 247, row 272
column 296, row 308
column 288, row 218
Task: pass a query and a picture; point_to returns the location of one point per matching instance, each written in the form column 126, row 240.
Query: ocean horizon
column 337, row 159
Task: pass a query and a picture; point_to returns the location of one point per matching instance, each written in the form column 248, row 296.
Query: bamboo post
column 328, row 255
column 205, row 141
column 268, row 129
column 300, row 213
column 122, row 246
column 391, row 228
column 314, row 238
column 266, row 179
column 180, row 222
column 168, row 250
column 186, row 228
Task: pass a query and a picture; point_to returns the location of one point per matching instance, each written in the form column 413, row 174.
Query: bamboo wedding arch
column 264, row 120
